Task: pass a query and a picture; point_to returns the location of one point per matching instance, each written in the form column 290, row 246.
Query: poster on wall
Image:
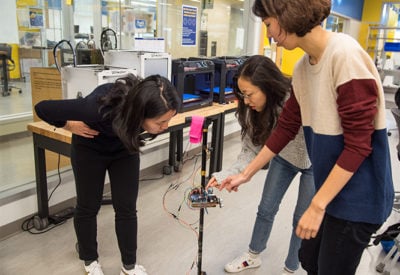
column 36, row 17
column 140, row 25
column 23, row 18
column 30, row 38
column 189, row 21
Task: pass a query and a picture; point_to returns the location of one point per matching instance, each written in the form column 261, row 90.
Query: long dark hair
column 260, row 71
column 132, row 100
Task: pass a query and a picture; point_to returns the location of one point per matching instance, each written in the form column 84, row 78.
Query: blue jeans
column 279, row 177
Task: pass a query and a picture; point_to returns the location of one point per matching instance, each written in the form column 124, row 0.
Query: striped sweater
column 341, row 106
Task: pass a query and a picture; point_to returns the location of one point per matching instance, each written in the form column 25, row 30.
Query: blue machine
column 194, row 81
column 225, row 69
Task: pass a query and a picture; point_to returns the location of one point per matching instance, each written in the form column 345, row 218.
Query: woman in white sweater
column 261, row 91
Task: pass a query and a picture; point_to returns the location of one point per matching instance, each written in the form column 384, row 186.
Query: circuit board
column 200, row 198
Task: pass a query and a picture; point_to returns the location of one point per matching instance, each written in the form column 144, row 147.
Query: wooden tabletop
column 205, row 112
column 44, row 129
column 228, row 107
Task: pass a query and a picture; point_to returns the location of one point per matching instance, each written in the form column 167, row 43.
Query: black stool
column 7, row 64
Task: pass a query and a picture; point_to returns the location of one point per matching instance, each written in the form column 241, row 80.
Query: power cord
column 174, row 187
column 59, row 177
column 28, row 224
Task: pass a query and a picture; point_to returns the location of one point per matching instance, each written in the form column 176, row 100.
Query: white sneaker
column 242, row 262
column 138, row 270
column 287, row 271
column 94, row 269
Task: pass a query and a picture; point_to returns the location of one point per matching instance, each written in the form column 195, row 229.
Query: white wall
column 353, row 28
column 8, row 22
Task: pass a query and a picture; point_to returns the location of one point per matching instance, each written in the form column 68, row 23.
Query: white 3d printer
column 81, row 80
column 146, row 63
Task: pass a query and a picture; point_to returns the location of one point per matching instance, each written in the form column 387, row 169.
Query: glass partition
column 219, row 28
column 190, row 28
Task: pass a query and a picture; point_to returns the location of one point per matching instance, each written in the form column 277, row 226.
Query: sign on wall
column 189, row 25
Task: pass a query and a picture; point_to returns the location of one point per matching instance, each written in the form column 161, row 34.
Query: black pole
column 203, row 186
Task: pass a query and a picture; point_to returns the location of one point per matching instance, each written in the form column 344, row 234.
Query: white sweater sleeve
column 246, row 155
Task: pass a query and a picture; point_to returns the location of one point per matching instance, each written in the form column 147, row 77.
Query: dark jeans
column 90, row 167
column 337, row 248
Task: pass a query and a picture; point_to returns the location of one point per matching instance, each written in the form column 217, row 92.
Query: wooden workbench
column 47, row 137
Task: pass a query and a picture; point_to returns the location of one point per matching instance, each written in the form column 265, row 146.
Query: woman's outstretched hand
column 231, row 183
column 212, row 183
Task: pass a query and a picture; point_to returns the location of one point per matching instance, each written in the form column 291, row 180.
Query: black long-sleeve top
column 58, row 112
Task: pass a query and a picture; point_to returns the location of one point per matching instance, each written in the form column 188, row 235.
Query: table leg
column 41, row 181
column 167, row 170
column 41, row 221
column 179, row 151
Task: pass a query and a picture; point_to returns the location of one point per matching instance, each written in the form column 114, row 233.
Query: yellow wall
column 371, row 15
column 289, row 59
column 372, row 11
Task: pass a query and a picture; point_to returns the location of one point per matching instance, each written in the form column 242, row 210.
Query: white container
column 146, row 63
column 82, row 80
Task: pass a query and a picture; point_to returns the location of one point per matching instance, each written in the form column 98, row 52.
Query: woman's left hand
column 80, row 128
column 310, row 222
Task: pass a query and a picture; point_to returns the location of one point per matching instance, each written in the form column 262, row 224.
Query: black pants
column 90, row 168
column 337, row 248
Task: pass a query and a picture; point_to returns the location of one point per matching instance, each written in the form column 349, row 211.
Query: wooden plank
column 205, row 111
column 45, row 129
column 45, row 84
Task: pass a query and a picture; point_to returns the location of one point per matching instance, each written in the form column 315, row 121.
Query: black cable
column 27, row 226
column 59, row 177
column 55, row 53
column 148, row 179
column 105, row 41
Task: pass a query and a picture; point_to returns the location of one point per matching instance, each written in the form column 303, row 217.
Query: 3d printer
column 81, row 80
column 194, row 81
column 146, row 63
column 225, row 69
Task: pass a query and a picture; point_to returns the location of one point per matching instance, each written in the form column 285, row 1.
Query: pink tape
column 196, row 129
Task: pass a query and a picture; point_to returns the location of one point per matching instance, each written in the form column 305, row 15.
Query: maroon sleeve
column 357, row 109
